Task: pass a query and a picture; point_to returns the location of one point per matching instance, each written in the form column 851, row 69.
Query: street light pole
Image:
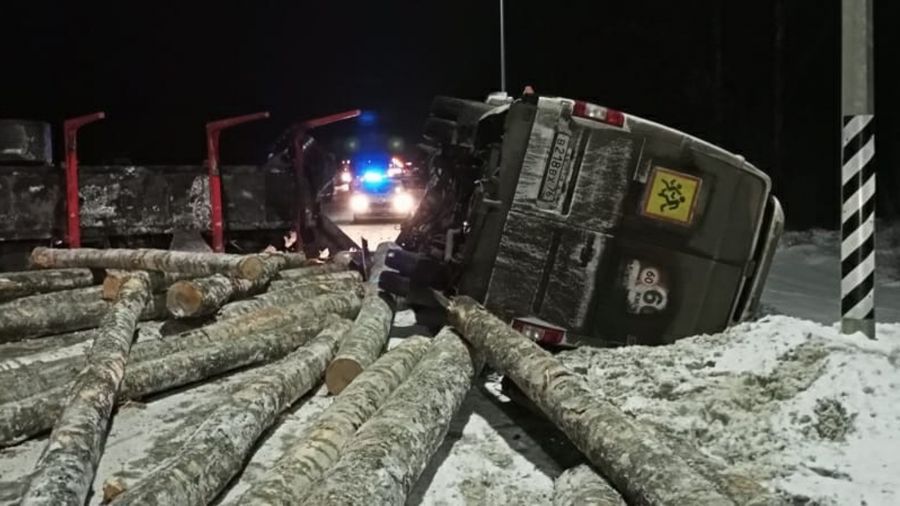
column 857, row 169
column 502, row 49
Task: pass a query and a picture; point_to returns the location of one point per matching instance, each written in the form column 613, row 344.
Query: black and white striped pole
column 857, row 170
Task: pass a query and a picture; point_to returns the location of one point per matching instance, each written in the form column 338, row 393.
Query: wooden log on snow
column 294, row 295
column 582, row 486
column 632, row 457
column 30, row 380
column 159, row 281
column 304, row 463
column 30, row 416
column 185, row 367
column 389, row 451
column 363, row 344
column 158, row 365
column 197, row 263
column 20, row 284
column 217, row 450
column 45, row 349
column 65, row 471
column 57, row 312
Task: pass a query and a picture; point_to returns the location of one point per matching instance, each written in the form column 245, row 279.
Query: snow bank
column 792, row 403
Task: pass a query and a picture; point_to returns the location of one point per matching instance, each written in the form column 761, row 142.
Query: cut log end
column 111, row 287
column 340, row 373
column 42, row 258
column 252, row 267
column 183, row 299
column 112, row 488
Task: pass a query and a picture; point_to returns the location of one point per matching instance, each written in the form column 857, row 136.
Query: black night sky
column 758, row 77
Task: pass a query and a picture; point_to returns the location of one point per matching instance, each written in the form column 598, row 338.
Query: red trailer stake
column 70, row 131
column 213, row 129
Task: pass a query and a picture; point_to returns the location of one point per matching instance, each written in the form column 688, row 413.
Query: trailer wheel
column 24, row 141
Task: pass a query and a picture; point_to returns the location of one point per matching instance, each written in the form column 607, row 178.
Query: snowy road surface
column 811, row 414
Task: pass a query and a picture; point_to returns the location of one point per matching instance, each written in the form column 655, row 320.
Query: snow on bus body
column 624, row 230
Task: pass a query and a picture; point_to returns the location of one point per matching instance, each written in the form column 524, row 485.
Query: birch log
column 363, row 344
column 203, row 296
column 30, row 416
column 330, row 277
column 45, row 349
column 388, row 453
column 158, row 365
column 65, row 470
column 287, row 260
column 307, row 272
column 216, row 451
column 197, row 263
column 631, row 456
column 57, row 312
column 159, row 281
column 378, row 262
column 29, row 380
column 582, row 486
column 20, row 284
column 294, row 295
column 304, row 463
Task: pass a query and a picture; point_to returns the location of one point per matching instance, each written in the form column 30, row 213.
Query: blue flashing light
column 375, row 181
column 367, row 118
column 373, row 176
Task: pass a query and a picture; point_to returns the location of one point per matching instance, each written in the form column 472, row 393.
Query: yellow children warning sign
column 671, row 196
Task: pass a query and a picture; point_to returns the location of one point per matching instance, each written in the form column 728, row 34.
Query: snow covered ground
column 785, row 399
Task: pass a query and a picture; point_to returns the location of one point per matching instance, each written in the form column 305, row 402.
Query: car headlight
column 346, row 177
column 359, row 203
column 403, row 202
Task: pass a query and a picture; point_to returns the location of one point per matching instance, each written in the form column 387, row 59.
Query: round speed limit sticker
column 645, row 288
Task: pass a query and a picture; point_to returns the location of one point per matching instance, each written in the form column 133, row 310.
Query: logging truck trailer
column 583, row 224
column 62, row 205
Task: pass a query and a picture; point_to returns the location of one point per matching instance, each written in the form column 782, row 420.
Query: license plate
column 550, row 190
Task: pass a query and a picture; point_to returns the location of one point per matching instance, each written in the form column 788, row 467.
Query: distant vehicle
column 342, row 179
column 374, row 195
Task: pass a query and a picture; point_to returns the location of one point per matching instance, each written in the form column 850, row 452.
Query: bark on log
column 159, row 281
column 157, row 365
column 198, row 263
column 364, row 343
column 378, row 262
column 185, row 367
column 216, row 451
column 582, row 486
column 289, row 479
column 65, row 471
column 204, row 296
column 30, row 380
column 33, row 415
column 56, row 312
column 46, row 349
column 389, row 451
column 328, row 277
column 316, row 270
column 20, row 284
column 294, row 295
column 632, row 457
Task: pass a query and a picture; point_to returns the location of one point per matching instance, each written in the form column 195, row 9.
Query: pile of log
column 280, row 326
column 92, row 300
